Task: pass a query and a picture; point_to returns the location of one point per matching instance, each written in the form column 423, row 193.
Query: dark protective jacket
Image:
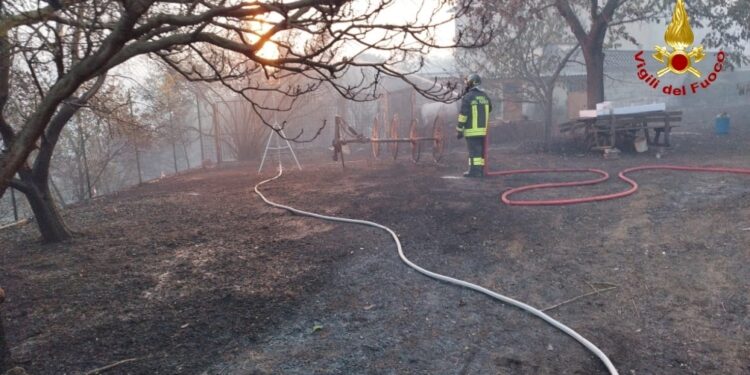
column 474, row 117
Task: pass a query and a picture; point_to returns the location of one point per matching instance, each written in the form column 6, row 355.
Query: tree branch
column 563, row 6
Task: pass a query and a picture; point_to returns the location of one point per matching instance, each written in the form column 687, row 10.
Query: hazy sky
column 405, row 11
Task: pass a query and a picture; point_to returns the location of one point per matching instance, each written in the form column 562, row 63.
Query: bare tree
column 33, row 177
column 62, row 50
column 170, row 103
column 598, row 23
column 244, row 128
column 532, row 51
column 5, row 360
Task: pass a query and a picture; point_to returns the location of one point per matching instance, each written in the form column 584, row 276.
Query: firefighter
column 473, row 122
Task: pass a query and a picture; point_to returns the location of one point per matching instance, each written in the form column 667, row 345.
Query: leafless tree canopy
column 529, row 55
column 52, row 51
column 596, row 24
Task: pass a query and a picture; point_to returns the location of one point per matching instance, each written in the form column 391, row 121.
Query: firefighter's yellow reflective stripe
column 462, row 118
column 478, row 132
column 474, row 115
column 458, row 128
column 486, row 115
column 476, row 161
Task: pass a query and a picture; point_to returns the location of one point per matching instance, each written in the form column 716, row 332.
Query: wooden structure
column 609, row 131
column 345, row 134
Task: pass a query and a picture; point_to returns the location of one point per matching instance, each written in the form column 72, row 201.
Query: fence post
column 15, row 207
column 135, row 143
column 216, row 134
column 5, row 359
column 138, row 162
column 187, row 155
column 85, row 159
column 174, row 147
column 200, row 128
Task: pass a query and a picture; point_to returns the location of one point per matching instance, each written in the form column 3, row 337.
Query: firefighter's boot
column 475, row 171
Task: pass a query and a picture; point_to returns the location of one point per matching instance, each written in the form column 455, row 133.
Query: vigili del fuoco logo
column 680, row 58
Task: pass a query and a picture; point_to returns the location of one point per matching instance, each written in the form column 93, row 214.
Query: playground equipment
column 280, row 147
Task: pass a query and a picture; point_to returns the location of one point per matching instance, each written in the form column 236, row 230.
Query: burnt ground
column 194, row 275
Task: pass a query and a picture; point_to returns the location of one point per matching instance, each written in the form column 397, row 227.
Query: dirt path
column 194, row 275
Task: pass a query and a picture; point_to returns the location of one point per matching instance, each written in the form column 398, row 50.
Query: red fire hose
column 603, row 176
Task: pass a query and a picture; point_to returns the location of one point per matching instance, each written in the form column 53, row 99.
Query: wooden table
column 609, row 131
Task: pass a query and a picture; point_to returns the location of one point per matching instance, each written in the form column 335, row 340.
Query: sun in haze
column 269, row 51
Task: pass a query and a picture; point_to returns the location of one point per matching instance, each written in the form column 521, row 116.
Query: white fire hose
column 538, row 313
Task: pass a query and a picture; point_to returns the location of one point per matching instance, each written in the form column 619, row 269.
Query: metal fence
column 102, row 164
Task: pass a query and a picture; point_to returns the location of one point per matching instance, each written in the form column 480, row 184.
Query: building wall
column 575, row 102
column 727, row 94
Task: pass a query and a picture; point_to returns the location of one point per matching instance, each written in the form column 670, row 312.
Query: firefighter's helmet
column 472, row 80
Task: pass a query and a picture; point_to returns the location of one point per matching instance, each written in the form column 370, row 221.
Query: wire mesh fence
column 91, row 164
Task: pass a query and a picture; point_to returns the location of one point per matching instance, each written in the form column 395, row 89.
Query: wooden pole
column 217, row 139
column 138, row 162
column 5, row 359
column 15, row 206
column 386, row 110
column 82, row 139
column 187, row 155
column 200, row 128
column 174, row 147
column 414, row 107
column 135, row 144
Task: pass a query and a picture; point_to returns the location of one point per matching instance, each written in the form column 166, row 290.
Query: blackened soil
column 193, row 274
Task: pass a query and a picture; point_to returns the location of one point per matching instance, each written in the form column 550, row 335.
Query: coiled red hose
column 603, row 176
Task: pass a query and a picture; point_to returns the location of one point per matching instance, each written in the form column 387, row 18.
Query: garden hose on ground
column 538, row 313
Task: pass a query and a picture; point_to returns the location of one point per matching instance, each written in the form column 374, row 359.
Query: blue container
column 722, row 125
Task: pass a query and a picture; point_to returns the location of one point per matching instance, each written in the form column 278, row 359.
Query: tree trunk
column 34, row 182
column 47, row 217
column 200, row 129
column 594, row 56
column 548, row 108
column 217, row 135
column 174, row 157
column 4, row 351
column 13, row 202
column 187, row 157
column 85, row 162
column 138, row 162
